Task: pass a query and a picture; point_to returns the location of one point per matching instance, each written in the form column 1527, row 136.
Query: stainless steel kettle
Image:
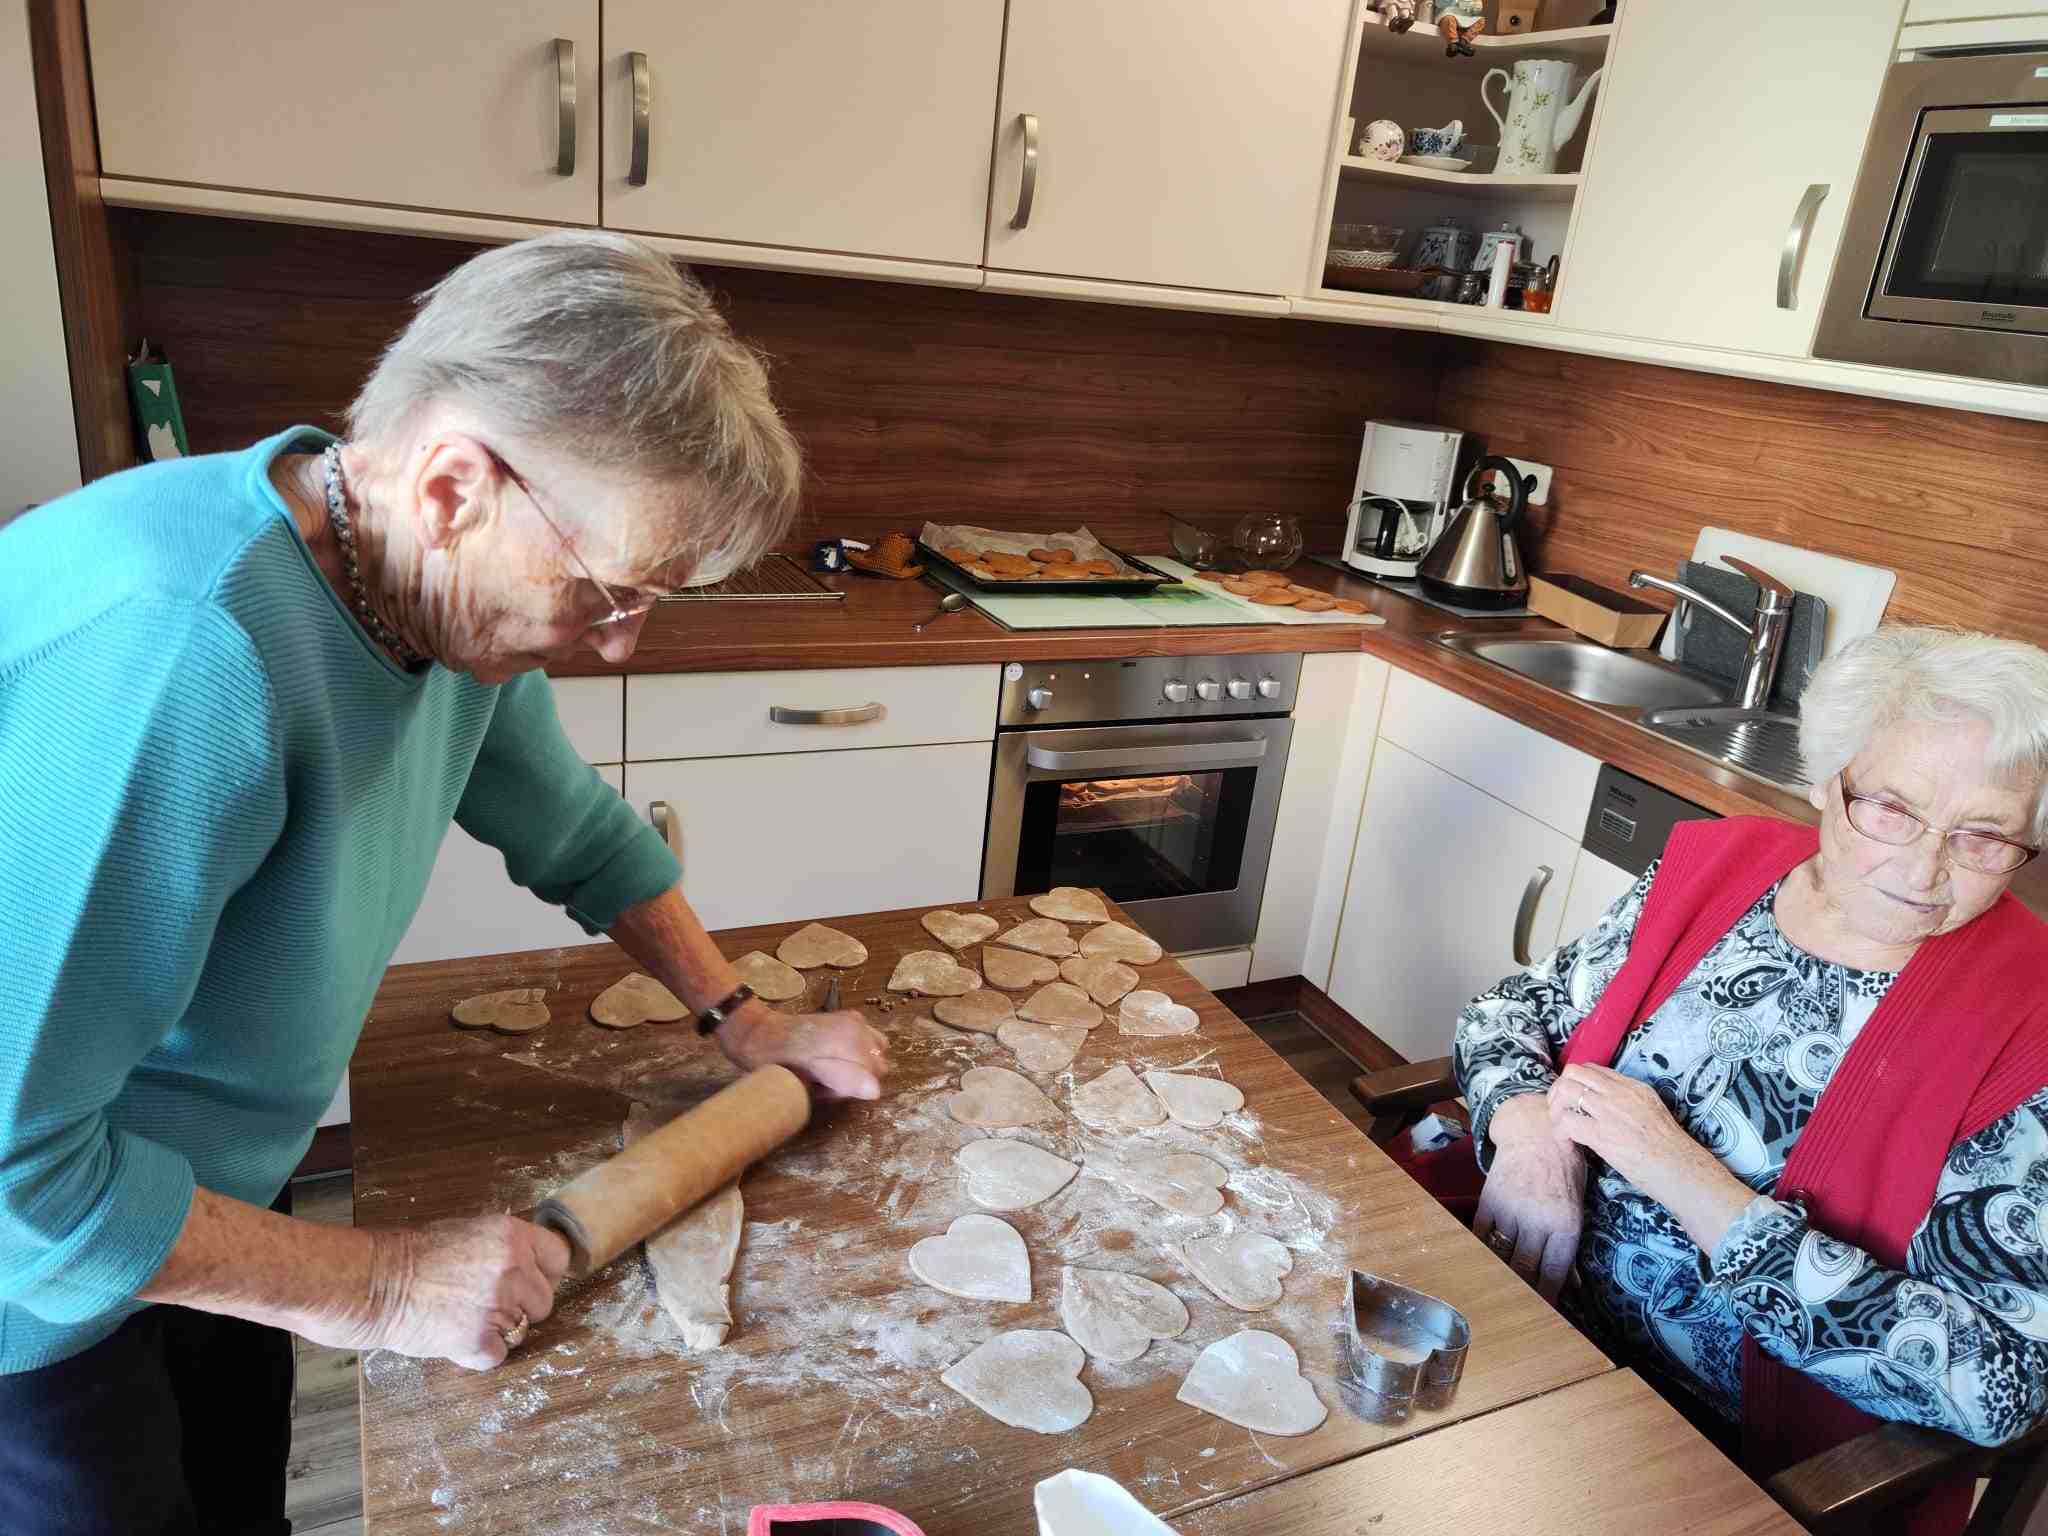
column 1476, row 563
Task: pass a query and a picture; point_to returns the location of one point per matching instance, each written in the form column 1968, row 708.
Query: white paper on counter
column 984, row 541
column 1268, row 613
column 1077, row 1503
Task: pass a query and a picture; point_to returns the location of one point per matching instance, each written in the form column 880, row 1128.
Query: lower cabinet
column 1444, row 878
column 1596, row 886
column 817, row 834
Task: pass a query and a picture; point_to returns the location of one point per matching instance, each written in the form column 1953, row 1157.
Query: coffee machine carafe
column 1401, row 500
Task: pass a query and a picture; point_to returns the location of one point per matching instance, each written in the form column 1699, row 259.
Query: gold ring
column 516, row 1334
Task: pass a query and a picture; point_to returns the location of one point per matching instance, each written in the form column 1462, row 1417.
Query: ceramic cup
column 1383, row 139
column 1437, row 141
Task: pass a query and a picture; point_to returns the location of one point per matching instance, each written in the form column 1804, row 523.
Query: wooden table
column 830, row 1384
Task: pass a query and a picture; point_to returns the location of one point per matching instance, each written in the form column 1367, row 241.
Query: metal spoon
column 952, row 602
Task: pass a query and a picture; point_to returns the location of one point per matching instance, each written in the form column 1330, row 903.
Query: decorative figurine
column 1458, row 37
column 1399, row 14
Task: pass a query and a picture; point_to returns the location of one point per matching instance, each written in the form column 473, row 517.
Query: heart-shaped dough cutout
column 1120, row 943
column 959, row 930
column 771, row 980
column 1196, row 1102
column 814, row 945
column 1254, row 1379
column 517, row 1011
column 1115, row 1316
column 1103, row 979
column 1117, row 1101
column 996, row 1098
column 932, row 973
column 1029, row 1378
column 1154, row 1013
column 1042, row 1047
column 983, row 1010
column 1186, row 1183
column 1070, row 904
column 1040, row 936
column 1242, row 1268
column 1008, row 1175
column 1060, row 1002
column 1015, row 969
column 978, row 1258
column 636, row 999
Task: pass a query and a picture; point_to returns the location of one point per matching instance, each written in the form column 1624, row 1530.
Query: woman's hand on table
column 462, row 1290
column 1625, row 1124
column 839, row 1054
column 1534, row 1202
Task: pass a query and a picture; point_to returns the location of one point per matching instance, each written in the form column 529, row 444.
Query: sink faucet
column 1765, row 633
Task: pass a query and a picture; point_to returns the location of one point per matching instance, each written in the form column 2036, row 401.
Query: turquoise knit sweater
column 219, row 805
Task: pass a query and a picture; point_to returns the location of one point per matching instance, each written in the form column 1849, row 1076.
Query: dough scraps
column 1060, row 1002
column 1120, row 943
column 1039, row 935
column 1242, row 1268
column 1070, row 904
column 814, row 945
column 1029, row 1378
column 1185, row 1183
column 1042, row 1047
column 932, row 973
column 995, row 1098
column 1104, row 979
column 1115, row 1316
column 959, row 930
column 518, row 1011
column 1016, row 970
column 978, row 1258
column 1008, row 1175
column 1196, row 1102
column 1117, row 1101
column 635, row 1000
column 692, row 1257
column 771, row 979
column 1154, row 1013
column 982, row 1011
column 1254, row 1379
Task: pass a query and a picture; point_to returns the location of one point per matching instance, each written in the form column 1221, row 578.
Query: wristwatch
column 709, row 1020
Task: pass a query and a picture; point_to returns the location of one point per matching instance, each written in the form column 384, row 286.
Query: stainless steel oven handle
column 1217, row 754
column 858, row 714
column 1796, row 237
column 1525, row 915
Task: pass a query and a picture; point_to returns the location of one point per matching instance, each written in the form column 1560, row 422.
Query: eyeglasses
column 1884, row 822
column 623, row 609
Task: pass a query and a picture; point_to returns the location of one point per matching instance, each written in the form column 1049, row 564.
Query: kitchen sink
column 1588, row 670
column 1754, row 741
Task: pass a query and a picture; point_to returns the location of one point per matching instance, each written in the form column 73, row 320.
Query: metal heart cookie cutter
column 1406, row 1348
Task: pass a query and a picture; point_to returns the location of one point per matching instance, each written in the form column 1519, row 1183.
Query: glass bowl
column 1199, row 547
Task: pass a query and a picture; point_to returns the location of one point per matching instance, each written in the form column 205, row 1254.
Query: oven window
column 1977, row 228
column 1172, row 834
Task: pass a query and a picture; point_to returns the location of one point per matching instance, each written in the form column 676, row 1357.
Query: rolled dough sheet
column 693, row 1256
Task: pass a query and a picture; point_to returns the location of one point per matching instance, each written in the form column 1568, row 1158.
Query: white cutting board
column 1263, row 612
column 1856, row 594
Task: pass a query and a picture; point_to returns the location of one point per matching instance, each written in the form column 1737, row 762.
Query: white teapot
column 1540, row 120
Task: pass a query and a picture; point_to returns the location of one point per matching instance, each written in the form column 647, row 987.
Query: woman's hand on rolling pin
column 455, row 1290
column 838, row 1054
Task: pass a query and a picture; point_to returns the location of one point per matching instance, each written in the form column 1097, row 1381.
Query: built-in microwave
column 1944, row 257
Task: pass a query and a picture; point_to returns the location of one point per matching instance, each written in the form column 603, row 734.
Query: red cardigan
column 1958, row 1042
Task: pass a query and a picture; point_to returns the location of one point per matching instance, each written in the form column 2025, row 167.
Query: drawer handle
column 1220, row 754
column 1794, row 253
column 859, row 714
column 643, row 117
column 565, row 107
column 1525, row 915
column 668, row 825
column 1027, row 185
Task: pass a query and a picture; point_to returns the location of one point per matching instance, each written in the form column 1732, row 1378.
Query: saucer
column 1436, row 162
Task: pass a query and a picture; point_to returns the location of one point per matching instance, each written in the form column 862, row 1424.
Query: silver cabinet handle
column 667, row 825
column 859, row 714
column 643, row 116
column 1027, row 188
column 1525, row 915
column 1796, row 237
column 1220, row 754
column 565, row 107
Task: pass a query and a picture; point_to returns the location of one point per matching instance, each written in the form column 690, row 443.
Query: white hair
column 1936, row 676
column 597, row 347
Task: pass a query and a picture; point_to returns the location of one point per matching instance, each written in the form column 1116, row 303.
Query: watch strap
column 709, row 1020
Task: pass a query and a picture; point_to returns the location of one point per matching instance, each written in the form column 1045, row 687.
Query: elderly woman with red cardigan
column 1784, row 1109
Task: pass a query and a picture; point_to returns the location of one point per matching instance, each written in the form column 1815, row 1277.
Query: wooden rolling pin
column 608, row 1209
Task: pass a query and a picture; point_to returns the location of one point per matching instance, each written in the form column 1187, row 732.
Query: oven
column 1156, row 779
column 1944, row 257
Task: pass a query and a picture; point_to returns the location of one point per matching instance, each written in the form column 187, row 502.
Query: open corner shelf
column 1584, row 46
column 1558, row 187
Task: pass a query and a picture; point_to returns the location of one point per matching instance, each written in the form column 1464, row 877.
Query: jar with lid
column 1537, row 292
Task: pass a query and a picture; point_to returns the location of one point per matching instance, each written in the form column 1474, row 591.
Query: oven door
column 1174, row 822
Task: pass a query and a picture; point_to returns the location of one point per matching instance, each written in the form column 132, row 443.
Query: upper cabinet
column 1161, row 143
column 858, row 128
column 1728, row 151
column 475, row 106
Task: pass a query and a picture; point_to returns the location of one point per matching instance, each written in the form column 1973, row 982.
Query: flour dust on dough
column 1146, row 1012
column 1243, row 1269
column 982, row 1011
column 516, row 1011
column 1040, row 936
column 1070, row 904
column 1014, row 969
column 1029, row 1378
column 932, row 973
column 1004, row 1174
column 1117, row 1101
column 995, row 1098
column 1060, row 1002
column 636, row 999
column 959, row 930
column 978, row 1258
column 1120, row 942
column 1042, row 1047
column 1103, row 978
column 1253, row 1379
column 814, row 945
column 1185, row 1183
column 1115, row 1316
column 1196, row 1102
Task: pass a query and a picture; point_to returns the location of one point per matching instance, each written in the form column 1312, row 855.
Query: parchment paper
column 984, row 541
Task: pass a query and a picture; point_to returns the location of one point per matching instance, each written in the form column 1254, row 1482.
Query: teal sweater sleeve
column 565, row 833
column 139, row 788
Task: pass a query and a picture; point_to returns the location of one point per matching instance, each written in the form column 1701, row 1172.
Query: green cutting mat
column 1176, row 606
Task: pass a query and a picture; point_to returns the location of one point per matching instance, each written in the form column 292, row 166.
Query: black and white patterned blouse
column 1739, row 1054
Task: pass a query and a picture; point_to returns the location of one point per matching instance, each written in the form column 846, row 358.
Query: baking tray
column 1151, row 581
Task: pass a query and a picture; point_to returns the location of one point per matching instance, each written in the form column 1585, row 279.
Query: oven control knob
column 1240, row 689
column 1209, row 688
column 1176, row 692
column 1039, row 698
column 1269, row 687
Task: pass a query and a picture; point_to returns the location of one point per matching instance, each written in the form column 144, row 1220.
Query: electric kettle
column 1476, row 564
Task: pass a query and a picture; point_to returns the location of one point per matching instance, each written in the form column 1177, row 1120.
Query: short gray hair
column 1938, row 676
column 598, row 347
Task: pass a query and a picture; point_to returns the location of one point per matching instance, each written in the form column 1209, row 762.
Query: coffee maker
column 1402, row 498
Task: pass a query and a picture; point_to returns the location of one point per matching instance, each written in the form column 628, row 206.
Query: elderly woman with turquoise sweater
column 241, row 699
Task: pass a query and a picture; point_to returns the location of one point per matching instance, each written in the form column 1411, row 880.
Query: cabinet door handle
column 1525, row 915
column 565, row 107
column 666, row 823
column 1794, row 253
column 858, row 714
column 643, row 117
column 1220, row 754
column 1027, row 186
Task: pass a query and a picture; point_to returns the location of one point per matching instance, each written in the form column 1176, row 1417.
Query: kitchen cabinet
column 1537, row 775
column 1156, row 143
column 854, row 128
column 1716, row 125
column 810, row 834
column 1596, row 885
column 477, row 106
column 1443, row 878
column 825, row 709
